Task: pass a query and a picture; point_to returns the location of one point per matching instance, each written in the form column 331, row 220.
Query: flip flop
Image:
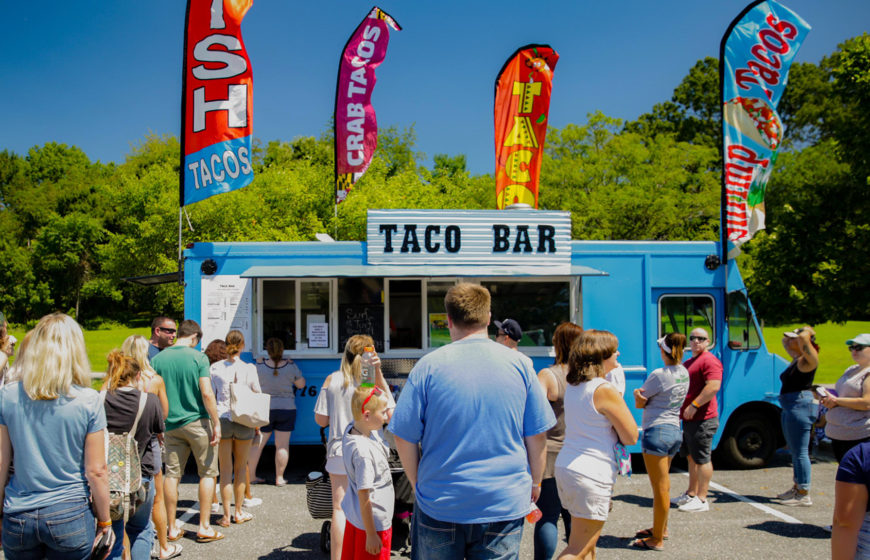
column 216, row 536
column 244, row 518
column 179, row 526
column 646, row 533
column 258, row 480
column 176, row 552
column 643, row 545
column 222, row 522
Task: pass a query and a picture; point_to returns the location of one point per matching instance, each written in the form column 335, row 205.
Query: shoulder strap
column 143, row 396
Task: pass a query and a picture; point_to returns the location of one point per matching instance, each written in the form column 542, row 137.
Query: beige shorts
column 234, row 430
column 193, row 437
column 581, row 496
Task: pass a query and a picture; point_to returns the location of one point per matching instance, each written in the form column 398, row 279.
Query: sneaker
column 215, row 508
column 798, row 500
column 788, row 494
column 695, row 505
column 251, row 502
column 681, row 499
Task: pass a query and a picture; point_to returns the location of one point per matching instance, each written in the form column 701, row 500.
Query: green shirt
column 181, row 368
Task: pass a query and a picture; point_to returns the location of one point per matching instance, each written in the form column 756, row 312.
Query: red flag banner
column 217, row 101
column 356, row 128
column 522, row 103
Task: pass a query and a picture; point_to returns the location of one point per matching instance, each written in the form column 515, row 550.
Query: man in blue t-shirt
column 480, row 418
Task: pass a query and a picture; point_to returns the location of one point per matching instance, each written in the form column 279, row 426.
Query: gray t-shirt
column 280, row 386
column 365, row 460
column 666, row 389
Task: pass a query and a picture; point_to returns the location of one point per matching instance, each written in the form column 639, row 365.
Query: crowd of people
column 483, row 439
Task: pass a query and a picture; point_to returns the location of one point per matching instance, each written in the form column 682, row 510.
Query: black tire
column 325, row 541
column 751, row 440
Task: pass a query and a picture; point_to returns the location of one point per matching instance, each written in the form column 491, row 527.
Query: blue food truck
column 315, row 295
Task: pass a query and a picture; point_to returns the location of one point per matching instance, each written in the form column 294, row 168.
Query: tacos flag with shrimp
column 522, row 104
column 755, row 56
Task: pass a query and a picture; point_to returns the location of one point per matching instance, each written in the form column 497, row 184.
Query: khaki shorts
column 191, row 437
column 234, row 430
column 583, row 497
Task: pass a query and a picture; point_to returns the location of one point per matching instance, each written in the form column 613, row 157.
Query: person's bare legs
column 705, row 475
column 657, row 468
column 584, row 536
column 206, row 493
column 336, row 531
column 254, row 455
column 225, row 463
column 158, row 514
column 170, row 495
column 240, row 468
column 282, row 455
column 693, row 477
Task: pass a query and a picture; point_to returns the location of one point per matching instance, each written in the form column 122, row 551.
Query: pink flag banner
column 356, row 127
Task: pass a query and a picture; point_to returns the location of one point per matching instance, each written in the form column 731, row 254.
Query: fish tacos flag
column 356, row 128
column 217, row 101
column 522, row 103
column 755, row 55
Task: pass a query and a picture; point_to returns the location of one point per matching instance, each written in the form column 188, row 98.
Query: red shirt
column 702, row 369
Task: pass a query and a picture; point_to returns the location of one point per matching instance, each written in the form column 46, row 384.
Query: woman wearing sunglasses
column 848, row 414
column 798, row 411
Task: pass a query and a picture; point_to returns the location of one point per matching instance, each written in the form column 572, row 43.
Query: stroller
column 318, row 497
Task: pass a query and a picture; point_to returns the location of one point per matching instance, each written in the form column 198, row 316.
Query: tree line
column 72, row 229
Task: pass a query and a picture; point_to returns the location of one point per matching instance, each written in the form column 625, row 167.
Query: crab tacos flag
column 522, row 103
column 356, row 128
column 755, row 55
column 217, row 101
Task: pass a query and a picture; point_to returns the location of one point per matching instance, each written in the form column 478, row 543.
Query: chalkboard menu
column 361, row 319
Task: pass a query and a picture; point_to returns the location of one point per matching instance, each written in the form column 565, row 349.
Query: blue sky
column 103, row 75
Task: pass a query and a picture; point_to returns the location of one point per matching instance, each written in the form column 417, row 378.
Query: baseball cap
column 510, row 328
column 863, row 339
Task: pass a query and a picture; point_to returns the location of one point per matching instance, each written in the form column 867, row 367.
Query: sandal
column 176, row 552
column 215, row 536
column 223, row 522
column 258, row 480
column 643, row 545
column 243, row 518
column 179, row 526
column 646, row 533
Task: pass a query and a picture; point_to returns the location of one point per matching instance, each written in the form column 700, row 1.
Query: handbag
column 247, row 407
column 318, row 495
column 623, row 459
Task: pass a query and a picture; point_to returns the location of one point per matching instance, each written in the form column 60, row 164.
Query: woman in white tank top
column 596, row 418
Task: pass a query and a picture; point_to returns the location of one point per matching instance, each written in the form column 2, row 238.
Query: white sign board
column 226, row 306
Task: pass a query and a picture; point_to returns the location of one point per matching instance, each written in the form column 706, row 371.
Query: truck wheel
column 750, row 441
column 325, row 536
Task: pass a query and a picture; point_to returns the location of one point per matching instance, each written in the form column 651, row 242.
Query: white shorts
column 583, row 497
column 335, row 465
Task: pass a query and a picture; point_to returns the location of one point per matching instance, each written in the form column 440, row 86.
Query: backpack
column 126, row 492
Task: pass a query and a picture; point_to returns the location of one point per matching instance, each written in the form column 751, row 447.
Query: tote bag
column 247, row 407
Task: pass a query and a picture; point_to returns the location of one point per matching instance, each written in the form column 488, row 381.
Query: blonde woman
column 235, row 438
column 279, row 377
column 333, row 410
column 52, row 395
column 136, row 346
column 596, row 418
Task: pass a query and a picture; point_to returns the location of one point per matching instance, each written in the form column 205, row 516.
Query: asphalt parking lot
column 742, row 523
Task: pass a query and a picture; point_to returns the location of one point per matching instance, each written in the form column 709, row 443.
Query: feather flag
column 217, row 101
column 755, row 55
column 356, row 127
column 522, row 103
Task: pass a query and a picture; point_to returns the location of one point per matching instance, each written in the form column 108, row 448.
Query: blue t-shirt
column 48, row 443
column 855, row 466
column 470, row 404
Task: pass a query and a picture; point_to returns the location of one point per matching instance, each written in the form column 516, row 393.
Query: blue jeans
column 140, row 528
column 547, row 530
column 798, row 415
column 441, row 540
column 64, row 530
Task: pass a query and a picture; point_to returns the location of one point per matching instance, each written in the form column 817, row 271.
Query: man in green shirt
column 192, row 425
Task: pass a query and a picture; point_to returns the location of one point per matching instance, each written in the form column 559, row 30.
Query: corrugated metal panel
column 345, row 271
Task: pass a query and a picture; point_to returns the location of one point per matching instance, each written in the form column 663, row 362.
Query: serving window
column 297, row 312
column 538, row 306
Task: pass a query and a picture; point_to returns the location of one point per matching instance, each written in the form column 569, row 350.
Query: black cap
column 510, row 328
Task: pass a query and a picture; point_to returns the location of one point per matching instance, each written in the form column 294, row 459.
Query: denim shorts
column 662, row 440
column 281, row 420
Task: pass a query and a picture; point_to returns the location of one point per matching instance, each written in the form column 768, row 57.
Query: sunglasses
column 697, row 338
column 857, row 347
column 375, row 391
column 164, row 329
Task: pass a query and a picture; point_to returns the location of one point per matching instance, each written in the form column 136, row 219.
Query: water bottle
column 368, row 368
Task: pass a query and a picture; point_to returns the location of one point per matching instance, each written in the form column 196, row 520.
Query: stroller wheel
column 325, row 539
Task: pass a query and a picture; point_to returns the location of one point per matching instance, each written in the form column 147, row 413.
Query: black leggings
column 841, row 446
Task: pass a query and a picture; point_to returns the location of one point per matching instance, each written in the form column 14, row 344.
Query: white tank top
column 589, row 435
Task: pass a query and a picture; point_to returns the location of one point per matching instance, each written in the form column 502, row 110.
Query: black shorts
column 280, row 420
column 698, row 439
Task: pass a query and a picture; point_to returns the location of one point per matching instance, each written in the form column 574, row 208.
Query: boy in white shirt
column 368, row 503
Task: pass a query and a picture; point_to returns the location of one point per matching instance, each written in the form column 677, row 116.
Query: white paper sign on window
column 226, row 306
column 318, row 335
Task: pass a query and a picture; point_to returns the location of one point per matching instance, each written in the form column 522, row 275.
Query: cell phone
column 822, row 391
column 101, row 549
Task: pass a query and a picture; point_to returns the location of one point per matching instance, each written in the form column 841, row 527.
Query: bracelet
column 104, row 524
column 538, row 485
column 695, row 404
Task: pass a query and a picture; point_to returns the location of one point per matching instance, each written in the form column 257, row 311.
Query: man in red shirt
column 700, row 416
